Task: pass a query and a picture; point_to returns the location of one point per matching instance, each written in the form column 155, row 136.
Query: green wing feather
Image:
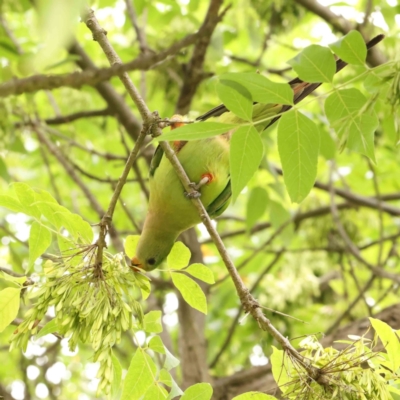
column 221, row 203
column 156, row 159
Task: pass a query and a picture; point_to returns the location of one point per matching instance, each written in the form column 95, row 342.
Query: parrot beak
column 136, row 265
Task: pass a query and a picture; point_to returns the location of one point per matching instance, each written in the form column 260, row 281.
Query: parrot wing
column 220, row 204
column 156, row 159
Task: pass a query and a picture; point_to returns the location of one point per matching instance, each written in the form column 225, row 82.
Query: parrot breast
column 170, row 212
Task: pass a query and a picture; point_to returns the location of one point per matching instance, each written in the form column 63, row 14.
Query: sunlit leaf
column 261, row 88
column 117, row 377
column 196, row 131
column 279, row 370
column 256, row 205
column 201, row 272
column 246, row 153
column 254, row 396
column 39, row 241
column 140, row 376
column 278, row 216
column 298, row 145
column 314, row 64
column 130, row 245
column 11, row 203
column 190, row 291
column 327, row 146
column 345, row 110
column 170, row 360
column 157, row 345
column 351, row 48
column 51, row 327
column 390, row 340
column 3, row 171
column 16, row 279
column 199, row 391
column 236, row 98
column 179, row 256
column 152, row 322
column 26, row 197
column 9, row 306
column 156, row 392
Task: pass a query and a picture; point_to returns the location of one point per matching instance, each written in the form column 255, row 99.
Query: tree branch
column 375, row 57
column 194, row 71
column 151, row 120
column 92, row 76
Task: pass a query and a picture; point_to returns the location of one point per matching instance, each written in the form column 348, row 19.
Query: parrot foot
column 206, row 178
column 192, row 195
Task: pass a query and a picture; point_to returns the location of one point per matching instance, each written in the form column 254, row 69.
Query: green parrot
column 206, row 163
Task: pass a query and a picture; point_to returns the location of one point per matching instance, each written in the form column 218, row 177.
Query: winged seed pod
column 88, row 308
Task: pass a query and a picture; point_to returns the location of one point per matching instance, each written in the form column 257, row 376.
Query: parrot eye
column 151, row 261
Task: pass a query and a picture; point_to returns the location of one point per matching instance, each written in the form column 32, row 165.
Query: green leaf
column 11, row 203
column 278, row 215
column 156, row 392
column 117, row 377
column 190, row 291
column 343, row 105
column 170, row 360
column 51, row 211
column 361, row 137
column 199, row 391
column 140, row 376
column 39, row 241
column 389, row 340
column 314, row 64
column 196, row 131
column 130, row 245
column 236, row 98
column 351, row 48
column 76, row 226
column 19, row 280
column 345, row 110
column 246, row 152
column 157, row 345
column 179, row 256
column 298, row 145
column 254, row 396
column 279, row 369
column 327, row 146
column 3, row 171
column 152, row 322
column 26, row 197
column 201, row 272
column 166, row 378
column 51, row 327
column 256, row 205
column 9, row 306
column 60, row 216
column 262, row 89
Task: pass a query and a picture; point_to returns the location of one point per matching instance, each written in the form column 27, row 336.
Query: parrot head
column 152, row 249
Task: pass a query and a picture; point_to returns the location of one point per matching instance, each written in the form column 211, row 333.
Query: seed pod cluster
column 91, row 306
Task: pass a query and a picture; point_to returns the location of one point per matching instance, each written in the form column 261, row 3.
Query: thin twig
column 353, row 249
column 71, row 142
column 69, row 169
column 51, row 176
column 140, row 35
column 250, row 305
column 235, row 321
column 19, row 321
column 92, row 76
column 380, row 211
